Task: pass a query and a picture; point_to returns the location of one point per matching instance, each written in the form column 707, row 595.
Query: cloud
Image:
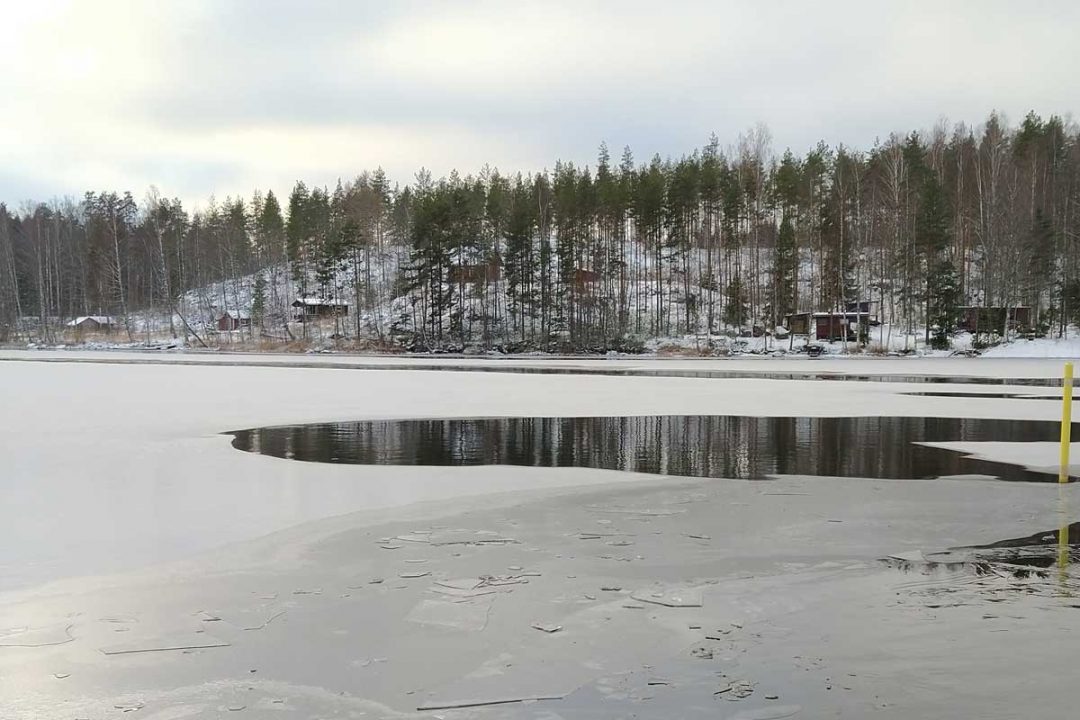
column 222, row 97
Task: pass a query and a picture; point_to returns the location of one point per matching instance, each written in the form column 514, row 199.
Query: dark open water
column 743, row 447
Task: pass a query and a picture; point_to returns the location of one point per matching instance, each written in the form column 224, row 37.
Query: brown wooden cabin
column 845, row 325
column 798, row 323
column 857, row 317
column 582, row 279
column 92, row 323
column 311, row 308
column 482, row 273
column 862, row 306
column 233, row 321
column 977, row 318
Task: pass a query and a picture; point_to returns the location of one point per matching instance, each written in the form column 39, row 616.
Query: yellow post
column 1066, row 422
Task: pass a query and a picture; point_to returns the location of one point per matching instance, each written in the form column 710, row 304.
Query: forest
column 728, row 239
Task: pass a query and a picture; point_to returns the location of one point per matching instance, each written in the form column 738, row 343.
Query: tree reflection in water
column 705, row 446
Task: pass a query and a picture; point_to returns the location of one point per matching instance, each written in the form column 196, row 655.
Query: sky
column 221, row 97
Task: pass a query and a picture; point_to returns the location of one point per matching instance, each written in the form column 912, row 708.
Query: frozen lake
column 130, row 524
column 116, row 460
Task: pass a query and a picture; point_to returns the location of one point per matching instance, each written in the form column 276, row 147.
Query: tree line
column 601, row 256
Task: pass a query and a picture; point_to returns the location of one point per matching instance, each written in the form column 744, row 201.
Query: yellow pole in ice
column 1066, row 422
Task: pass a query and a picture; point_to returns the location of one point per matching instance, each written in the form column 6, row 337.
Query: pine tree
column 324, row 241
column 1040, row 270
column 785, row 269
column 650, row 191
column 297, row 236
column 838, row 264
column 520, row 257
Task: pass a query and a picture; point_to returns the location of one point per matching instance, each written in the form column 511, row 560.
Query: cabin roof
column 844, row 313
column 318, row 301
column 992, row 307
column 99, row 319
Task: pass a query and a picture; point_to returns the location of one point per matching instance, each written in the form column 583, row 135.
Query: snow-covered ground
column 150, row 531
column 881, row 341
column 1068, row 347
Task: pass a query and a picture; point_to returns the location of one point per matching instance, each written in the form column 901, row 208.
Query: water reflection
column 704, row 446
column 1067, row 535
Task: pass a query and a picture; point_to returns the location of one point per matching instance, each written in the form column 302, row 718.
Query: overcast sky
column 225, row 96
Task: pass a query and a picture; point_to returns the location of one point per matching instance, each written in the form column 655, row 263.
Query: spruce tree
column 931, row 241
column 737, row 302
column 258, row 301
column 944, row 294
column 270, row 229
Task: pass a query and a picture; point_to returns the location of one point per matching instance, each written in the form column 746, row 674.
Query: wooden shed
column 845, row 326
column 92, row 323
column 583, row 279
column 862, row 306
column 467, row 274
column 989, row 319
column 798, row 323
column 233, row 321
column 310, row 308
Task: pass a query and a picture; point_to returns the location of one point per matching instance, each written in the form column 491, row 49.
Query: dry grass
column 683, row 351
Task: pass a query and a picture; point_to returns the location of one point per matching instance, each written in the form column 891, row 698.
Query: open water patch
column 720, row 446
column 996, row 571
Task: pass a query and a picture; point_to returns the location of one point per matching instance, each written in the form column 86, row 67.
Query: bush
column 629, row 344
column 982, row 344
column 940, row 340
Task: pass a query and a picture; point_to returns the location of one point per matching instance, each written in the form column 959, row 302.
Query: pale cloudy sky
column 223, row 96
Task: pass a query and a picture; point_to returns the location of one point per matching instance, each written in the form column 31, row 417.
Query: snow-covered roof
column 235, row 315
column 319, row 301
column 992, row 307
column 841, row 313
column 99, row 319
